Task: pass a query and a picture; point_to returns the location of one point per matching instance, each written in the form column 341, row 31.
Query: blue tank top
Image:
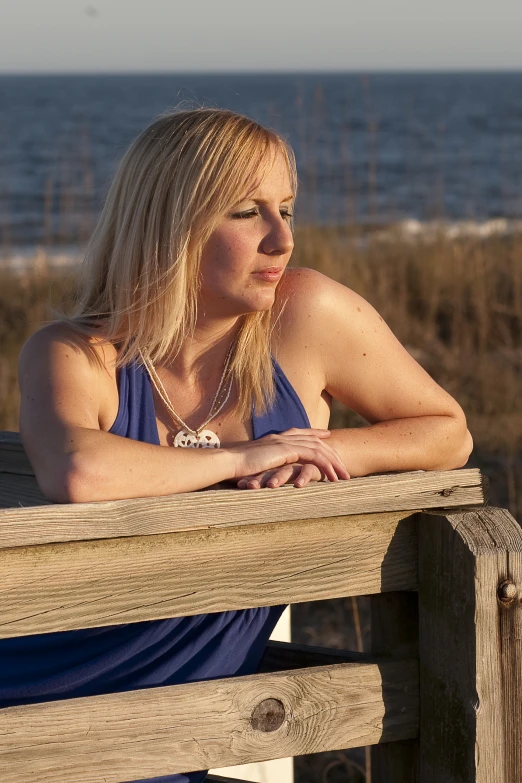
column 117, row 658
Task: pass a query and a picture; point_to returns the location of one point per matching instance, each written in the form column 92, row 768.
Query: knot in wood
column 507, row 592
column 447, row 492
column 269, row 715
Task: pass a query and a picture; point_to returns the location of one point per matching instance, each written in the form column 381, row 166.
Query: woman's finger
column 249, row 482
column 299, row 438
column 276, row 451
column 282, row 476
column 326, row 459
column 269, row 478
column 258, row 477
column 307, row 473
column 326, row 464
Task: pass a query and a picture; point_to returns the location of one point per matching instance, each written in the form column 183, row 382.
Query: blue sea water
column 373, row 148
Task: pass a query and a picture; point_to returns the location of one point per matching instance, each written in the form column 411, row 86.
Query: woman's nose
column 279, row 240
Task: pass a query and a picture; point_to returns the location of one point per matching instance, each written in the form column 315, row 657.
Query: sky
column 40, row 36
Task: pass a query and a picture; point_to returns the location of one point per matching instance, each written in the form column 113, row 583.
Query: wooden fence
column 438, row 698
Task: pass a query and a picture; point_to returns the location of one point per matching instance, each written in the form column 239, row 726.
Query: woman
column 190, row 331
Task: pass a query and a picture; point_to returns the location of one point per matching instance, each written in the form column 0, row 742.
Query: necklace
column 199, row 438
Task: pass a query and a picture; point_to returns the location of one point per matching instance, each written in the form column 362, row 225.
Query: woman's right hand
column 305, row 446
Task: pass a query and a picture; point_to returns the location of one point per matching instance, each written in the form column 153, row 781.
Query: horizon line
column 359, row 71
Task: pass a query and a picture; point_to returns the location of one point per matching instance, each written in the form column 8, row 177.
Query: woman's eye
column 247, row 214
column 254, row 212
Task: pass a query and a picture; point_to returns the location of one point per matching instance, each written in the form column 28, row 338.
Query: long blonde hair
column 140, row 276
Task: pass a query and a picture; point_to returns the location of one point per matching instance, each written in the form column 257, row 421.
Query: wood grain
column 94, row 583
column 202, row 725
column 30, row 519
column 470, row 648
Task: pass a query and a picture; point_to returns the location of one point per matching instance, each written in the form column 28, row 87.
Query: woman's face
column 247, row 252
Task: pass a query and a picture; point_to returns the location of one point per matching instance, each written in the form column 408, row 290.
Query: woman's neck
column 205, row 352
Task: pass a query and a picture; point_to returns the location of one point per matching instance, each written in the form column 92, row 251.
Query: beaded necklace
column 200, row 438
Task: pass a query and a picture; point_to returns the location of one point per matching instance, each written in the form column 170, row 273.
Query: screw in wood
column 507, row 592
column 269, row 715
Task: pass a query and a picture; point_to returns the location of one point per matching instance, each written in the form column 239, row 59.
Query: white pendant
column 206, row 439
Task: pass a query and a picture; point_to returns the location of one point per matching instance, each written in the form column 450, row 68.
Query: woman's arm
column 63, row 391
column 414, row 423
column 439, row 442
column 345, row 348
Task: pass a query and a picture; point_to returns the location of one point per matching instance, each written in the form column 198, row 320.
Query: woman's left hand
column 296, row 474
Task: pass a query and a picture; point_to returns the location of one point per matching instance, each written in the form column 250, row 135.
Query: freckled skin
column 363, row 365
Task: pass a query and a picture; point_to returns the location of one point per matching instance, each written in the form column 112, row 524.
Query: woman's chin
column 223, row 306
column 257, row 303
column 262, row 303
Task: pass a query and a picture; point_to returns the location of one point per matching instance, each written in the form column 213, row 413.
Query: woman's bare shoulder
column 60, row 341
column 66, row 378
column 321, row 319
column 308, row 296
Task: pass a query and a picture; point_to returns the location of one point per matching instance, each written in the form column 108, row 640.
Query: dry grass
column 26, row 302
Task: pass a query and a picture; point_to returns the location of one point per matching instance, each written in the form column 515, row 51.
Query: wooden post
column 394, row 633
column 470, row 645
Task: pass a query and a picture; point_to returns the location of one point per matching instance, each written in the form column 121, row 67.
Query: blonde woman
column 190, row 331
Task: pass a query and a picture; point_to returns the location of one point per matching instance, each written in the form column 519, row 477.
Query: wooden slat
column 20, row 526
column 470, row 595
column 203, row 725
column 83, row 584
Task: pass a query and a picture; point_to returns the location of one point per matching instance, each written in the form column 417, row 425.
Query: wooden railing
column 439, row 697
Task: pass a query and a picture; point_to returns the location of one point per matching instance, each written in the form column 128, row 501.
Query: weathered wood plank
column 94, row 583
column 20, row 526
column 395, row 634
column 470, row 590
column 141, row 734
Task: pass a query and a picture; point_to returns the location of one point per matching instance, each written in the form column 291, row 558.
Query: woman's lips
column 271, row 274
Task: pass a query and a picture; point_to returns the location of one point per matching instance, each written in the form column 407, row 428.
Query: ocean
column 374, row 149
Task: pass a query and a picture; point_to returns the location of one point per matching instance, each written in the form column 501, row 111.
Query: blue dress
column 118, row 658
